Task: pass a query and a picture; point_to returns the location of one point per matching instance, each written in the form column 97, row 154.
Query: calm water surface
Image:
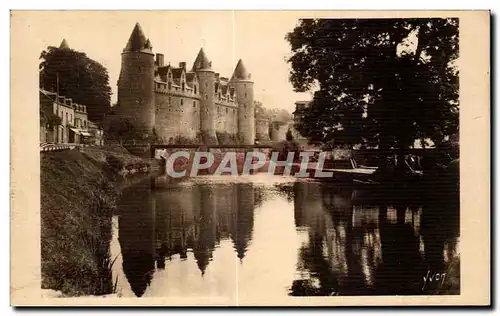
column 268, row 237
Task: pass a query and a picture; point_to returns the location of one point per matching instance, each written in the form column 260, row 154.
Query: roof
column 177, row 72
column 64, row 44
column 201, row 61
column 163, row 71
column 223, row 88
column 240, row 72
column 303, row 102
column 190, row 76
column 137, row 40
column 47, row 93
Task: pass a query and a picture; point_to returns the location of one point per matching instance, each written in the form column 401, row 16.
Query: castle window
column 227, row 110
column 169, row 100
column 194, row 104
column 206, row 84
column 182, row 101
column 245, row 105
column 245, row 94
column 195, row 90
column 183, row 86
column 139, row 69
column 206, row 96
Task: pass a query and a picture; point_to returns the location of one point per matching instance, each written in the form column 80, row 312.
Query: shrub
column 115, row 163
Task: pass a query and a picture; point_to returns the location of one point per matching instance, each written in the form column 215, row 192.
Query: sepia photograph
column 247, row 158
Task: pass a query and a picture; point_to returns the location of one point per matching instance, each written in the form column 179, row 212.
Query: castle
column 175, row 101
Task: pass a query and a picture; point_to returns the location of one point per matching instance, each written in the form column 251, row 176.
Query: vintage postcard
column 250, row 158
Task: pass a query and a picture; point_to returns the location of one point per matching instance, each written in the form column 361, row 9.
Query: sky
column 226, row 36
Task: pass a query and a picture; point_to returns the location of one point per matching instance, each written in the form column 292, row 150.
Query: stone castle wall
column 246, row 116
column 177, row 115
column 176, row 102
column 262, row 129
column 135, row 89
column 227, row 118
column 278, row 131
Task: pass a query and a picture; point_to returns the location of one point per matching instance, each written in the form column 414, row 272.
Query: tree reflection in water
column 381, row 250
column 349, row 248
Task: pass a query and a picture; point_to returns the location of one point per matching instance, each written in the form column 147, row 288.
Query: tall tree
column 78, row 77
column 279, row 115
column 385, row 82
column 259, row 110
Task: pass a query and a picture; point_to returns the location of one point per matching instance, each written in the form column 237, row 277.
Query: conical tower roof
column 201, row 61
column 64, row 44
column 137, row 40
column 240, row 72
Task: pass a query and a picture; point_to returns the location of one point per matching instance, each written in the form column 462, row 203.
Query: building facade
column 65, row 122
column 181, row 102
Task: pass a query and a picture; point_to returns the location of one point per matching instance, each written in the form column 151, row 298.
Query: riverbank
column 78, row 195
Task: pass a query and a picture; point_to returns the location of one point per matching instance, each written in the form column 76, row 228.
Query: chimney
column 159, row 60
column 182, row 65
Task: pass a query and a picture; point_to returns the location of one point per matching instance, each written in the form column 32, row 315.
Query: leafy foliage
column 120, row 128
column 78, row 77
column 382, row 82
column 225, row 138
column 279, row 115
column 286, row 146
column 54, row 120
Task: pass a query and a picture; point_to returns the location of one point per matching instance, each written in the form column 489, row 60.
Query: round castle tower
column 243, row 85
column 206, row 78
column 136, row 82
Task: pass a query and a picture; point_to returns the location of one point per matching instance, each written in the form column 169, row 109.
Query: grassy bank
column 78, row 195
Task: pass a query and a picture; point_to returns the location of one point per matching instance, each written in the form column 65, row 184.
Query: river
column 263, row 236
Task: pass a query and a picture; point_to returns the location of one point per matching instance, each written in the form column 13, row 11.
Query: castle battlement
column 175, row 101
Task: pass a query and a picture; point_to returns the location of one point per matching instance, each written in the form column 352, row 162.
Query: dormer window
column 183, row 86
column 195, row 89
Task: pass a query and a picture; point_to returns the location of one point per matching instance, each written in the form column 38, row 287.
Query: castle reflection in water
column 291, row 238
